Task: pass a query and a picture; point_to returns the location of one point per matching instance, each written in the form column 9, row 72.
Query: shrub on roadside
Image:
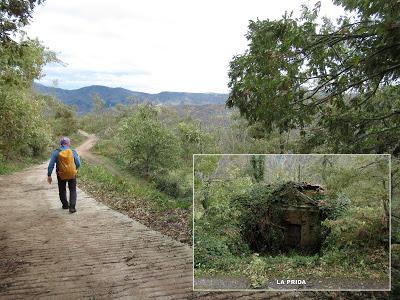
column 358, row 228
column 147, row 145
column 167, row 184
column 175, row 183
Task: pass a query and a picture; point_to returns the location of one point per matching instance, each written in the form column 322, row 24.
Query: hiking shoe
column 72, row 210
column 65, row 207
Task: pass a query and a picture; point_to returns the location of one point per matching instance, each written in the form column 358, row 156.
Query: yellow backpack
column 66, row 164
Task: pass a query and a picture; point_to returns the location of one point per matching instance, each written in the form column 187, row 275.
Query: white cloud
column 151, row 45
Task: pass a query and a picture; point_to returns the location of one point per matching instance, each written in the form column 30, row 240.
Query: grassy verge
column 8, row 167
column 77, row 139
column 176, row 183
column 138, row 199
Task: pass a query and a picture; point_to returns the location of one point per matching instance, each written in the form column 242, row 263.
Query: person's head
column 65, row 141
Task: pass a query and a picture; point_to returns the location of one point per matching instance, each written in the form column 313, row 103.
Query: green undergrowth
column 223, row 255
column 174, row 183
column 77, row 139
column 131, row 186
column 219, row 254
column 332, row 265
column 139, row 199
column 11, row 166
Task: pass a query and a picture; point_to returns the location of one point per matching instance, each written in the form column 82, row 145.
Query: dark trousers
column 62, row 191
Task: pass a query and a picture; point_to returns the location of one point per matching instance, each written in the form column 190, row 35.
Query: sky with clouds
column 153, row 45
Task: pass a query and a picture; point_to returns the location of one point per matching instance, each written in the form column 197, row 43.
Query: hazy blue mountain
column 82, row 98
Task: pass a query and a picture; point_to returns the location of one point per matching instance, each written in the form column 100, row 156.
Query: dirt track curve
column 96, row 253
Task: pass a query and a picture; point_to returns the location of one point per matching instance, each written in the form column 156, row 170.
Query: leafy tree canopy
column 21, row 63
column 324, row 77
column 15, row 14
column 24, row 116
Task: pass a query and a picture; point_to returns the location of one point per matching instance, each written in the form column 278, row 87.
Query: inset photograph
column 291, row 222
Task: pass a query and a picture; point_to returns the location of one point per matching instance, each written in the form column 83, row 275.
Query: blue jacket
column 54, row 159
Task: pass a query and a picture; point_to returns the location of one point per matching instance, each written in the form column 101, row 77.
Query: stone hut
column 300, row 217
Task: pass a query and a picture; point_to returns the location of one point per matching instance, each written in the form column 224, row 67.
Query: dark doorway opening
column 293, row 236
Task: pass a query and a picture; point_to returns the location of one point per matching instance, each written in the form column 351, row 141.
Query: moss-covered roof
column 298, row 194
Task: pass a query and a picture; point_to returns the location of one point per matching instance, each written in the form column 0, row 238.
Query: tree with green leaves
column 336, row 81
column 15, row 14
column 23, row 129
column 98, row 104
column 257, row 166
column 28, row 121
column 147, row 145
column 194, row 139
column 21, row 63
column 62, row 117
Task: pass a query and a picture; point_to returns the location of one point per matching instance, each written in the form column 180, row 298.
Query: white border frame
column 299, row 289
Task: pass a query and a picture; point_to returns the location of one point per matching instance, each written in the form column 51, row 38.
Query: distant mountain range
column 82, row 98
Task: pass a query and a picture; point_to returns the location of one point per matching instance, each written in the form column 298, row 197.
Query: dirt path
column 96, row 253
column 84, row 151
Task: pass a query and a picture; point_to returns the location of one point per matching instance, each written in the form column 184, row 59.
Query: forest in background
column 233, row 195
column 345, row 101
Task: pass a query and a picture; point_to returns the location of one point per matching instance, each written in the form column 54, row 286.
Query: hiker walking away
column 67, row 162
